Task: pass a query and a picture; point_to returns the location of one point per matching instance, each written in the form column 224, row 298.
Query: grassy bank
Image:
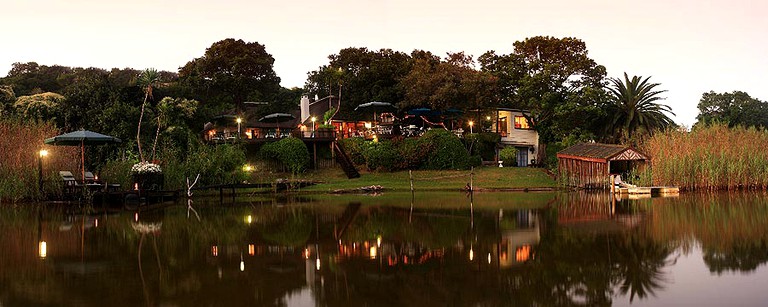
column 484, row 178
column 710, row 158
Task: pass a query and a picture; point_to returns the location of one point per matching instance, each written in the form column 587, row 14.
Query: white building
column 516, row 131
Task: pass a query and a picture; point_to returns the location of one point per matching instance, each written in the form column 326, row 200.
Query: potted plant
column 508, row 154
column 147, row 176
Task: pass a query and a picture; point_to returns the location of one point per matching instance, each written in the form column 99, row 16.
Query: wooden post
column 471, row 182
column 410, row 174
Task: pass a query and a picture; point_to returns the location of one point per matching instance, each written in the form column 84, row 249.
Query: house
column 588, row 165
column 516, row 131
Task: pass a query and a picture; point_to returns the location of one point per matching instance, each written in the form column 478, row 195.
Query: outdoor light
column 471, row 123
column 373, row 251
column 367, row 125
column 249, row 219
column 488, row 118
column 313, row 125
column 378, row 241
column 247, row 168
column 43, row 249
column 43, row 153
column 239, row 120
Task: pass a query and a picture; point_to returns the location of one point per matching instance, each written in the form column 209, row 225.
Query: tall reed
column 713, row 157
column 20, row 144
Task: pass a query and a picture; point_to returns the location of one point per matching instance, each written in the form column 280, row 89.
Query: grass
column 492, row 178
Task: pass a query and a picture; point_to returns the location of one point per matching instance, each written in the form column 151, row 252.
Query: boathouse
column 589, row 165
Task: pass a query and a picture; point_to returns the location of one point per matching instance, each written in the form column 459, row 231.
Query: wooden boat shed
column 589, row 165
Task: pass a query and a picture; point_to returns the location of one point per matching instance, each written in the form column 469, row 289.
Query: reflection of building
column 516, row 244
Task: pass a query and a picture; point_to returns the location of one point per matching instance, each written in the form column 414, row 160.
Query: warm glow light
column 471, row 123
column 471, row 254
column 249, row 219
column 314, row 119
column 251, row 249
column 43, row 153
column 43, row 249
column 215, row 251
column 136, row 186
column 378, row 241
column 306, row 253
column 373, row 251
column 136, row 217
column 247, row 168
column 317, row 264
column 523, row 253
column 96, row 223
column 239, row 120
column 367, row 125
column 488, row 118
column 242, row 266
column 489, row 258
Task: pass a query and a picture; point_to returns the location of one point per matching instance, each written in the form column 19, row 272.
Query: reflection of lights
column 471, row 254
column 43, row 249
column 373, row 250
column 378, row 241
column 242, row 263
column 215, row 251
column 221, row 273
column 306, row 253
column 249, row 219
column 317, row 264
column 136, row 186
column 136, row 216
column 96, row 223
column 489, row 258
column 523, row 253
column 251, row 249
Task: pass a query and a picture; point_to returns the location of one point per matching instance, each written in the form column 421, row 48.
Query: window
column 502, row 126
column 521, row 123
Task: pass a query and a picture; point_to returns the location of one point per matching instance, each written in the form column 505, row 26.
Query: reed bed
column 714, row 157
column 20, row 145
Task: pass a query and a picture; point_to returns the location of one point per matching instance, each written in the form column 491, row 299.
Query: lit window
column 521, row 123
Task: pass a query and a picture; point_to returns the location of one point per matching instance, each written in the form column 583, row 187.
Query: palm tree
column 634, row 106
column 147, row 80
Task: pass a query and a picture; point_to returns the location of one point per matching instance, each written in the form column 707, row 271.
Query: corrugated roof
column 602, row 151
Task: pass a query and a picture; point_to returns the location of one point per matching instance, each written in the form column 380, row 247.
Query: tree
column 735, row 108
column 360, row 75
column 148, row 79
column 634, row 109
column 452, row 83
column 43, row 106
column 173, row 112
column 554, row 79
column 232, row 71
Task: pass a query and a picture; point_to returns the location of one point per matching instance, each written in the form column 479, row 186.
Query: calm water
column 446, row 249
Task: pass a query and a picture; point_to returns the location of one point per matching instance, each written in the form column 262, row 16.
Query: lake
column 432, row 249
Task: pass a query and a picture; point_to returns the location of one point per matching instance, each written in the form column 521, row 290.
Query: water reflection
column 437, row 249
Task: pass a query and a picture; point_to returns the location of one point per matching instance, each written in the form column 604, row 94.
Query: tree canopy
column 634, row 108
column 735, row 108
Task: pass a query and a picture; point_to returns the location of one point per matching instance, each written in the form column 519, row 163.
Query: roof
column 601, row 152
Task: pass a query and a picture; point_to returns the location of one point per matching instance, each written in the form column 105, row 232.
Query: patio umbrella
column 277, row 118
column 82, row 138
column 375, row 106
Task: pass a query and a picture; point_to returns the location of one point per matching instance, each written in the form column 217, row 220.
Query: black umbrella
column 277, row 118
column 376, row 106
column 82, row 138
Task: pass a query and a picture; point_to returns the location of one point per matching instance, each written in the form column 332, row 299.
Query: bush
column 508, row 155
column 412, row 152
column 354, row 148
column 380, row 156
column 447, row 150
column 483, row 144
column 291, row 152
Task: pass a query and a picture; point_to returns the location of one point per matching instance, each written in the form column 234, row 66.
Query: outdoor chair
column 96, row 184
column 70, row 183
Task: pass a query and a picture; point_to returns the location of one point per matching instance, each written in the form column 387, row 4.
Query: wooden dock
column 661, row 191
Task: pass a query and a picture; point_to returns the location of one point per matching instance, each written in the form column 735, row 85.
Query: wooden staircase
column 346, row 164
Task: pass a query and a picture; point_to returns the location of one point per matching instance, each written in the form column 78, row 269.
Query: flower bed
column 147, row 176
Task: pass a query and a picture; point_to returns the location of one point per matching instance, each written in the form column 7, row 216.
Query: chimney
column 304, row 108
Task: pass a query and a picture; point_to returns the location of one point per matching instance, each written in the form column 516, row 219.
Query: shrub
column 412, row 153
column 354, row 148
column 483, row 144
column 447, row 151
column 380, row 156
column 291, row 152
column 508, row 155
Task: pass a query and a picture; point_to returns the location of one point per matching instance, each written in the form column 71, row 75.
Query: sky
column 688, row 46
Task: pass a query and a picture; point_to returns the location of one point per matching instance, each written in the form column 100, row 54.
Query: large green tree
column 360, row 75
column 554, row 79
column 634, row 108
column 232, row 72
column 735, row 108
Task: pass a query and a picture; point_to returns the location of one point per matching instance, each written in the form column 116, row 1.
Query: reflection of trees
column 639, row 264
column 744, row 257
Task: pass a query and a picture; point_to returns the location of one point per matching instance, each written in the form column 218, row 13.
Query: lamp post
column 471, row 123
column 313, row 125
column 239, row 120
column 42, row 154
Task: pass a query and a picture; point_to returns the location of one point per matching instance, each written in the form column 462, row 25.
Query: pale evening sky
column 689, row 46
